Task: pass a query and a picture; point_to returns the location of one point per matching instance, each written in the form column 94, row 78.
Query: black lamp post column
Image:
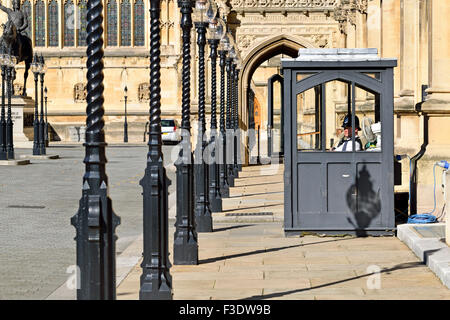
column 9, row 123
column 46, row 118
column 224, row 187
column 156, row 281
column 125, row 123
column 238, row 133
column 3, row 151
column 35, row 66
column 234, row 121
column 185, row 246
column 202, row 211
column 229, row 155
column 215, row 197
column 95, row 221
column 42, row 122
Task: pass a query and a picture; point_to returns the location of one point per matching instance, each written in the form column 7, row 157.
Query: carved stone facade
column 79, row 92
column 144, row 92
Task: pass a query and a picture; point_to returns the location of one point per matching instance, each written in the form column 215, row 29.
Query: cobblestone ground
column 36, row 203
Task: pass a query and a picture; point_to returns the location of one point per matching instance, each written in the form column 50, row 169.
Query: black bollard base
column 151, row 289
column 204, row 223
column 185, row 253
column 215, row 202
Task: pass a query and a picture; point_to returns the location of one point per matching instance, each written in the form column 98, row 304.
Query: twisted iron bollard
column 238, row 133
column 3, row 151
column 95, row 221
column 156, row 281
column 42, row 121
column 224, row 187
column 9, row 122
column 185, row 246
column 215, row 198
column 229, row 134
column 202, row 210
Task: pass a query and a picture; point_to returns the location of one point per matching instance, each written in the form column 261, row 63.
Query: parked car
column 169, row 131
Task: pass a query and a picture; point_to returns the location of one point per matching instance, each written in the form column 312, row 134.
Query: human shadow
column 364, row 202
column 244, row 254
column 406, row 265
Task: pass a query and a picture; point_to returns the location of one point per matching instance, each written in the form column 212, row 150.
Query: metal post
column 238, row 135
column 229, row 158
column 9, row 123
column 3, row 150
column 215, row 198
column 156, row 281
column 224, row 187
column 46, row 118
column 95, row 220
column 36, row 149
column 234, row 123
column 185, row 246
column 202, row 211
column 125, row 123
column 42, row 122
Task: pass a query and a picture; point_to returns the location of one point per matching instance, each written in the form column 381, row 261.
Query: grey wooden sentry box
column 329, row 192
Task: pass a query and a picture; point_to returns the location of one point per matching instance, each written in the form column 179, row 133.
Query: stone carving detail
column 18, row 88
column 321, row 40
column 144, row 92
column 284, row 3
column 79, row 92
column 346, row 11
column 244, row 41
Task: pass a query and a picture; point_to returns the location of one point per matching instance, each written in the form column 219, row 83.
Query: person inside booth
column 345, row 144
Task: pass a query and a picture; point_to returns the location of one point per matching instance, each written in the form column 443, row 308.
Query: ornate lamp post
column 35, row 67
column 224, row 186
column 202, row 210
column 156, row 281
column 185, row 246
column 216, row 31
column 9, row 123
column 95, row 221
column 46, row 118
column 42, row 122
column 125, row 124
column 3, row 150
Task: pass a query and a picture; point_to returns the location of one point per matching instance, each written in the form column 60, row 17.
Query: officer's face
column 348, row 132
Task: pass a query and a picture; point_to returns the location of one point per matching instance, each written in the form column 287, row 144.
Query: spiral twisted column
column 238, row 135
column 36, row 149
column 224, row 187
column 9, row 122
column 215, row 197
column 202, row 211
column 234, row 122
column 185, row 247
column 42, row 122
column 95, row 220
column 3, row 151
column 155, row 281
column 230, row 157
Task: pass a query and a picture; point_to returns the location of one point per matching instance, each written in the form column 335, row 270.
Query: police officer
column 346, row 142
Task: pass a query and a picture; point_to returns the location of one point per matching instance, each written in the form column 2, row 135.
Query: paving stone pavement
column 255, row 260
column 36, row 203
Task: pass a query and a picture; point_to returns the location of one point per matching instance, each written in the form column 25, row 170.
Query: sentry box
column 339, row 144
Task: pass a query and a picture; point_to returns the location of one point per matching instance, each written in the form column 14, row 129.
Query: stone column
column 390, row 30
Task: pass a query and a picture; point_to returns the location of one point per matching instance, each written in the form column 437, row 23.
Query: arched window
column 53, row 30
column 139, row 23
column 39, row 20
column 111, row 16
column 125, row 23
column 82, row 22
column 26, row 7
column 69, row 24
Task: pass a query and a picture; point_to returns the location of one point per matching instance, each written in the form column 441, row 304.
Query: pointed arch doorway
column 278, row 44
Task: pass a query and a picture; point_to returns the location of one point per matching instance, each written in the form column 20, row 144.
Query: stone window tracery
column 82, row 20
column 111, row 18
column 125, row 23
column 139, row 23
column 39, row 25
column 53, row 29
column 69, row 24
